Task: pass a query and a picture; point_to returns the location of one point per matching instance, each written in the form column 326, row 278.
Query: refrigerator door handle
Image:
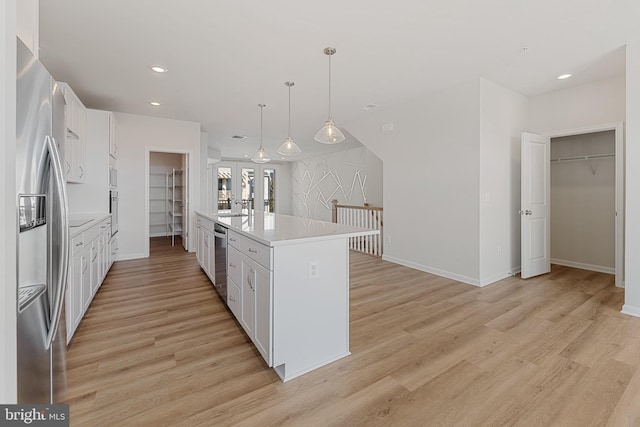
column 58, row 174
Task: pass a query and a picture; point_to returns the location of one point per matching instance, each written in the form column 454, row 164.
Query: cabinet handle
column 231, row 299
column 79, row 244
column 231, row 239
column 232, row 265
column 254, row 251
column 68, row 168
column 81, row 171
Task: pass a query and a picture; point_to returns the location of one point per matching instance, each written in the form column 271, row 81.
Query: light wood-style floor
column 158, row 348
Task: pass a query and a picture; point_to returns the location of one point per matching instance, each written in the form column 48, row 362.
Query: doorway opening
column 168, row 197
column 587, row 199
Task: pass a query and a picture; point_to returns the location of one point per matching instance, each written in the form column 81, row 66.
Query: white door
column 535, row 205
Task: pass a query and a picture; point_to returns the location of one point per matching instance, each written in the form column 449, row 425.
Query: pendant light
column 288, row 147
column 329, row 134
column 261, row 156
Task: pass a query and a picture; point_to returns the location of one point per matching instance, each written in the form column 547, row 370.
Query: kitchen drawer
column 105, row 225
column 91, row 233
column 77, row 244
column 233, row 298
column 256, row 251
column 234, row 264
column 204, row 223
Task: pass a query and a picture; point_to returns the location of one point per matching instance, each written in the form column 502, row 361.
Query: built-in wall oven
column 220, row 247
column 113, row 210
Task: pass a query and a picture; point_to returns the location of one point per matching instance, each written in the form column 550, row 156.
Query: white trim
column 583, row 266
column 630, row 310
column 497, row 277
column 618, row 128
column 432, row 270
column 128, row 257
column 281, row 370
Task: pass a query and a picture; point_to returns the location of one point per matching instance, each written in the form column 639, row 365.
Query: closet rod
column 578, row 158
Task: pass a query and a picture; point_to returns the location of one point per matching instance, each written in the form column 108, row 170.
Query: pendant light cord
column 261, row 107
column 330, row 86
column 289, row 111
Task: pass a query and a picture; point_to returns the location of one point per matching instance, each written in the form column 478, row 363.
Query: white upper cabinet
column 74, row 156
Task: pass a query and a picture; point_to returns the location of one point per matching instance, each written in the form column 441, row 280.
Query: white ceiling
column 226, row 56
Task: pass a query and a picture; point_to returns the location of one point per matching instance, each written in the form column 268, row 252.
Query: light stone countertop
column 274, row 229
column 82, row 222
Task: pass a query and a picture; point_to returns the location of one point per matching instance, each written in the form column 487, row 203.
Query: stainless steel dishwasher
column 220, row 247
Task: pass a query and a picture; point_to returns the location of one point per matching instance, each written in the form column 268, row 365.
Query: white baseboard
column 164, row 234
column 432, row 270
column 126, row 257
column 499, row 276
column 630, row 310
column 583, row 266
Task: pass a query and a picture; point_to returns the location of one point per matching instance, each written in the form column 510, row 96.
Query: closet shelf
column 582, row 158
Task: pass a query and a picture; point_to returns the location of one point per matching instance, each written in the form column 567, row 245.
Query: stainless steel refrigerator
column 43, row 233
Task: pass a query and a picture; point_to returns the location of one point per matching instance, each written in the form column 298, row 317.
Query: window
column 225, row 189
column 269, row 188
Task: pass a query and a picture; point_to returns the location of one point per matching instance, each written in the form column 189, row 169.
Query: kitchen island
column 287, row 283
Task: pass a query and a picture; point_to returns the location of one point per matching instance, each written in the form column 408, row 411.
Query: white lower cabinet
column 74, row 308
column 263, row 327
column 90, row 261
column 251, row 281
column 205, row 252
column 234, row 298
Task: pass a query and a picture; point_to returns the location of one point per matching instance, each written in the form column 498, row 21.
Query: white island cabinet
column 288, row 286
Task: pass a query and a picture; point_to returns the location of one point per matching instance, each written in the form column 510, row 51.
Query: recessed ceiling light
column 158, row 69
column 246, row 155
column 564, row 76
column 239, row 137
column 154, row 103
column 370, row 106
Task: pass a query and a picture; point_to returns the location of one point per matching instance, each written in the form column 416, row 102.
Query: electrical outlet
column 313, row 270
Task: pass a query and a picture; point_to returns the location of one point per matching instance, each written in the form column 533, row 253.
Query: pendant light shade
column 289, row 147
column 329, row 133
column 261, row 156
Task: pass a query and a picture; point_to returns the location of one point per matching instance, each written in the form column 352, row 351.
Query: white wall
column 8, row 220
column 589, row 104
column 351, row 176
column 632, row 191
column 164, row 162
column 431, row 169
column 284, row 188
column 503, row 115
column 27, row 24
column 583, row 196
column 204, row 172
column 139, row 135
